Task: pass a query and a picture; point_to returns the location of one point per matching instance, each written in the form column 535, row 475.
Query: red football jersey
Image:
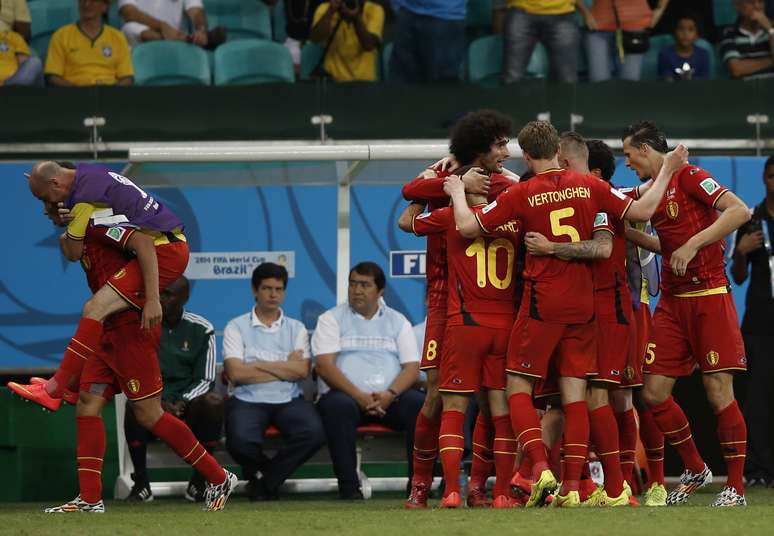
column 561, row 205
column 430, row 191
column 611, row 272
column 688, row 208
column 481, row 271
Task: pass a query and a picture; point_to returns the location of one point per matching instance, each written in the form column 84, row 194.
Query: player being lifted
column 480, row 315
column 479, row 138
column 695, row 322
column 555, row 321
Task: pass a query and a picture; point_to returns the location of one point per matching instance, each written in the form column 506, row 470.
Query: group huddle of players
column 534, row 304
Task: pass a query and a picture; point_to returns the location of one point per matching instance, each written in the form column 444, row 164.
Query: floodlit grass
column 384, row 515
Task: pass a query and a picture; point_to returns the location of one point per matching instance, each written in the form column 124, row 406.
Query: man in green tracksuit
column 187, row 359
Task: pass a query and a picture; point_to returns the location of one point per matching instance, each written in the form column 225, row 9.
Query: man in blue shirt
column 265, row 355
column 367, row 360
column 429, row 40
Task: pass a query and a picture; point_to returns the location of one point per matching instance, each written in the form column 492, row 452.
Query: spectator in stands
column 187, row 357
column 154, row 20
column 350, row 31
column 17, row 66
column 367, row 360
column 604, row 20
column 89, row 52
column 553, row 24
column 752, row 248
column 747, row 47
column 15, row 16
column 265, row 355
column 422, row 48
column 684, row 60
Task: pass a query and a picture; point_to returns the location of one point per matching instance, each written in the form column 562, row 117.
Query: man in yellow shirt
column 351, row 30
column 550, row 22
column 89, row 52
column 17, row 66
column 15, row 15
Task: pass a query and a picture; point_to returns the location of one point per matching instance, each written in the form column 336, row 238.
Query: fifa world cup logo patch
column 713, row 358
column 672, row 209
column 133, row 385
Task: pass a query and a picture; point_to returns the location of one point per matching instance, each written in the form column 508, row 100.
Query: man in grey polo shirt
column 265, row 355
column 367, row 360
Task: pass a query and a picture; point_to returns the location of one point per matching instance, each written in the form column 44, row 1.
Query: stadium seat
column 385, row 65
column 252, row 61
column 169, row 63
column 47, row 17
column 243, row 19
column 114, row 17
column 485, row 61
column 310, row 57
column 479, row 18
column 278, row 22
column 658, row 42
column 724, row 12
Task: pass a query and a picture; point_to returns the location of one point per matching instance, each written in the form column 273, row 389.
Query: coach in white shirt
column 265, row 355
column 154, row 20
column 367, row 361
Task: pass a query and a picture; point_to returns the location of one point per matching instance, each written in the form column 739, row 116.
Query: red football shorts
column 534, row 345
column 128, row 357
column 546, row 387
column 473, row 357
column 434, row 332
column 687, row 332
column 128, row 281
column 614, row 328
column 638, row 343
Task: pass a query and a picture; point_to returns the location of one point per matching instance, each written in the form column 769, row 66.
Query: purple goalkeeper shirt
column 96, row 185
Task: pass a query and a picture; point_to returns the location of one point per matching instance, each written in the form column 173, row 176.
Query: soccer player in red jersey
column 128, row 358
column 94, row 194
column 480, row 315
column 695, row 322
column 616, row 346
column 555, row 321
column 479, row 138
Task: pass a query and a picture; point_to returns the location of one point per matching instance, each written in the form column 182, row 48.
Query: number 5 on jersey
column 560, row 229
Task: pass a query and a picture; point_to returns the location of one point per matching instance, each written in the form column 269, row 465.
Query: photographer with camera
column 753, row 248
column 350, row 31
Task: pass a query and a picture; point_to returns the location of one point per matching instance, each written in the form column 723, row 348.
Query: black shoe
column 258, row 491
column 351, row 495
column 757, row 481
column 141, row 491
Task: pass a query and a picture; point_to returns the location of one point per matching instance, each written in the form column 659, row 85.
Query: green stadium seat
column 114, row 17
column 385, row 66
column 243, row 19
column 658, row 42
column 47, row 17
column 169, row 63
column 724, row 12
column 252, row 61
column 479, row 18
column 278, row 22
column 310, row 57
column 485, row 61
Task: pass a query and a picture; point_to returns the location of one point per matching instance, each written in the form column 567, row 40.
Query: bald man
column 93, row 195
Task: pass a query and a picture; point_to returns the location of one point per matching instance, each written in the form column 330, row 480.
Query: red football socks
column 505, row 447
column 425, row 448
column 672, row 422
column 604, row 435
column 576, row 441
column 653, row 442
column 451, row 444
column 481, row 463
column 176, row 434
column 82, row 347
column 627, row 442
column 526, row 426
column 732, row 432
column 90, row 451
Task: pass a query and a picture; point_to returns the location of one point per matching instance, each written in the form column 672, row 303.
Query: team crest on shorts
column 713, row 358
column 120, row 273
column 133, row 385
column 629, row 373
column 672, row 209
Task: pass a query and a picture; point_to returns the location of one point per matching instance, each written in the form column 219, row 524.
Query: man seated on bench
column 265, row 355
column 187, row 358
column 367, row 360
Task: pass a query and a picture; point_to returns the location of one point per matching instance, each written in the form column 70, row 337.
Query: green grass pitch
column 384, row 515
